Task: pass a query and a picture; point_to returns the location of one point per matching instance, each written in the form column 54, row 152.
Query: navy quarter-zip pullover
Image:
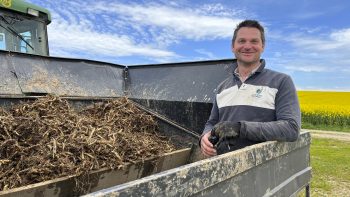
column 266, row 104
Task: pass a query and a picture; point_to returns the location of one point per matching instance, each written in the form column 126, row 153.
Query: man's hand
column 206, row 146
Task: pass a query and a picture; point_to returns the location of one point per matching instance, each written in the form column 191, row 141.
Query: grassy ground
column 330, row 161
column 306, row 125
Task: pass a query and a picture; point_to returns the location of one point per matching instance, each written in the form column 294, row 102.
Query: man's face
column 248, row 46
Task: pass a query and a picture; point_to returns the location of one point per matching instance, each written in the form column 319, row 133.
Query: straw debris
column 47, row 138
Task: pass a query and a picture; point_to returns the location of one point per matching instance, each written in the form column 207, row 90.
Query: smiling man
column 253, row 105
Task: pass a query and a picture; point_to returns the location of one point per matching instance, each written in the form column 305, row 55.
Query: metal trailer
column 180, row 96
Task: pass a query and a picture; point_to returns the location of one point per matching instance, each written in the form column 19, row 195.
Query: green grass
column 306, row 125
column 330, row 161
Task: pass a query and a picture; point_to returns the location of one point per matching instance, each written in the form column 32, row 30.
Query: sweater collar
column 259, row 69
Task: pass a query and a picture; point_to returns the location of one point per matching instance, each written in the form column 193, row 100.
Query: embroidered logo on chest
column 258, row 92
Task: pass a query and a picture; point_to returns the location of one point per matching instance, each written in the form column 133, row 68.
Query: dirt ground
column 329, row 134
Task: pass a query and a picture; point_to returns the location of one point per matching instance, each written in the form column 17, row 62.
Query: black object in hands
column 225, row 134
column 213, row 139
column 226, row 129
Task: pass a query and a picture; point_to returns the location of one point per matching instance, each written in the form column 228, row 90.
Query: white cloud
column 339, row 39
column 346, row 70
column 207, row 54
column 217, row 9
column 72, row 34
column 322, row 53
column 79, row 37
column 184, row 22
column 342, row 36
column 94, row 29
column 315, row 43
column 308, row 15
column 307, row 68
column 277, row 54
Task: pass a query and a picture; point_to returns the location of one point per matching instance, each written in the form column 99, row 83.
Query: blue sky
column 309, row 40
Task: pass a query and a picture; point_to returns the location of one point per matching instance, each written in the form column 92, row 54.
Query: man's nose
column 247, row 45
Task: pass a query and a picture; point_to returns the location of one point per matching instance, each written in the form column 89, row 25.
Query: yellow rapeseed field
column 325, row 108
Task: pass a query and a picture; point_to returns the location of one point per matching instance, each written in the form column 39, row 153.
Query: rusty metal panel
column 286, row 179
column 182, row 92
column 8, row 80
column 265, row 169
column 189, row 81
column 67, row 77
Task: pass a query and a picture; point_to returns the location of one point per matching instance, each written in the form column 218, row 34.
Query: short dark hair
column 249, row 23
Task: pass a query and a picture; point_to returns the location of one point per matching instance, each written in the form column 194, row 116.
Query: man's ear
column 232, row 48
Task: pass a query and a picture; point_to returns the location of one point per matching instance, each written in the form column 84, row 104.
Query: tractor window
column 22, row 34
column 2, row 41
column 26, row 42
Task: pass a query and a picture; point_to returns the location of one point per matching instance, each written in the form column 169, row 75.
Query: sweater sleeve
column 213, row 118
column 288, row 118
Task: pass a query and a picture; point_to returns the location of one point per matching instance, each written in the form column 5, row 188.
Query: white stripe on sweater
column 247, row 94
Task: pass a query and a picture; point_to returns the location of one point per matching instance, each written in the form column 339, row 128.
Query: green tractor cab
column 23, row 27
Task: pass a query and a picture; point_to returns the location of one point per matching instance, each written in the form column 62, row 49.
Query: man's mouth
column 247, row 53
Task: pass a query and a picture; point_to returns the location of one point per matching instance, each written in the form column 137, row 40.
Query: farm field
column 325, row 110
column 329, row 157
column 330, row 167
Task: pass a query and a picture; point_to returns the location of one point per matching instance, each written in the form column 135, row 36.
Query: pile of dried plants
column 48, row 138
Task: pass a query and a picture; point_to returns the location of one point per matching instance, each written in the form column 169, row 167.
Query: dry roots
column 47, row 138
